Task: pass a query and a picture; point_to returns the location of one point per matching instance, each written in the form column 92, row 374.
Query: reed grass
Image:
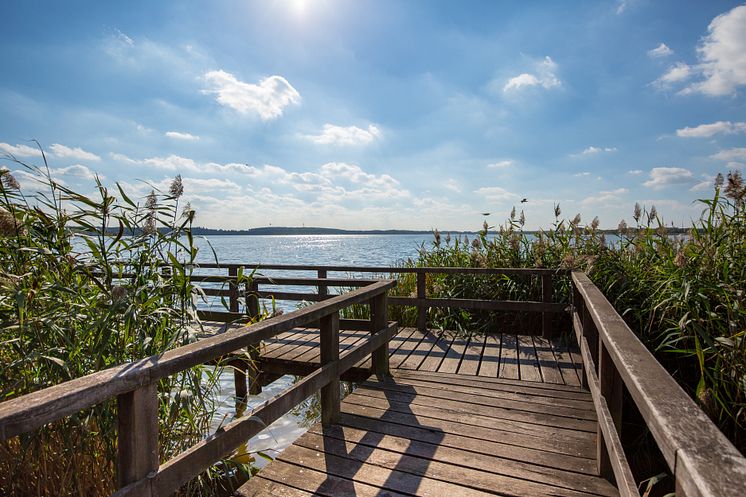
column 683, row 295
column 83, row 287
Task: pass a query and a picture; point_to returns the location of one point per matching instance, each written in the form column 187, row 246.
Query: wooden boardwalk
column 424, row 433
column 509, row 356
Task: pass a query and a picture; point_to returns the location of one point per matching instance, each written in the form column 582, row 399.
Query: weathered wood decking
column 429, row 433
column 499, row 414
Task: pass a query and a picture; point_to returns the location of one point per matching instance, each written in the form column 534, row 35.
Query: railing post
column 588, row 333
column 330, row 353
column 252, row 299
column 421, row 309
column 611, row 385
column 379, row 322
column 252, row 310
column 233, row 289
column 323, row 290
column 546, row 297
column 137, row 434
column 239, row 380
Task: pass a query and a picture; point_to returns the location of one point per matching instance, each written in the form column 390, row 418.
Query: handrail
column 134, row 385
column 387, row 269
column 545, row 306
column 703, row 461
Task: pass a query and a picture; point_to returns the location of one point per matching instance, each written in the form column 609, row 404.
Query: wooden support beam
column 379, row 322
column 323, row 290
column 233, row 290
column 421, row 310
column 330, row 354
column 611, row 388
column 546, row 297
column 252, row 300
column 255, row 383
column 137, row 434
column 239, row 380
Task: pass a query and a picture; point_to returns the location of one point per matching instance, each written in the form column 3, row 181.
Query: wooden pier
column 434, row 413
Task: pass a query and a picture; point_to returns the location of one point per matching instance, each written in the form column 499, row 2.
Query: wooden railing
column 702, row 460
column 139, row 471
column 252, row 291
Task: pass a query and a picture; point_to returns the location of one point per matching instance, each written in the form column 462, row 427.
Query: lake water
column 348, row 250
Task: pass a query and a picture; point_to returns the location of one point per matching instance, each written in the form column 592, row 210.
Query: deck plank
column 550, row 371
column 437, row 353
column 452, row 358
column 490, row 363
column 527, row 359
column 472, row 357
column 509, row 357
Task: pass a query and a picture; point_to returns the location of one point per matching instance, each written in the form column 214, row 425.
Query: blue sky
column 382, row 114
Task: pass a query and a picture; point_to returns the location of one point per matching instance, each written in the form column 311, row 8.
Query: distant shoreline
column 296, row 230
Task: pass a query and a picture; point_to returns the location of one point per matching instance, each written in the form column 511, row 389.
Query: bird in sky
column 485, row 213
column 524, row 200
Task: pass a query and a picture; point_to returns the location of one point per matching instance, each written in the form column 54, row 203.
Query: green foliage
column 83, row 287
column 683, row 295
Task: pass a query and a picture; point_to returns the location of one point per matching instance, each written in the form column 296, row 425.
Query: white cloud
column 172, row 163
column 123, row 158
column 661, row 50
column 72, row 153
column 267, row 99
column 20, row 150
column 76, row 170
column 635, row 172
column 354, row 174
column 580, row 175
column 675, row 74
column 520, row 81
column 452, row 185
column 621, row 6
column 177, row 135
column 708, row 130
column 721, row 54
column 496, row 194
column 604, row 197
column 731, row 154
column 502, row 164
column 201, row 184
column 661, row 177
column 545, row 76
column 345, row 135
column 596, row 150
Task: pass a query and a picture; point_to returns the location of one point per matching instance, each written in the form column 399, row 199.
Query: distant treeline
column 297, row 230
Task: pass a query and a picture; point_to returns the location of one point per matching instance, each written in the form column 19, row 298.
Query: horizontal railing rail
column 546, row 307
column 702, row 460
column 139, row 471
